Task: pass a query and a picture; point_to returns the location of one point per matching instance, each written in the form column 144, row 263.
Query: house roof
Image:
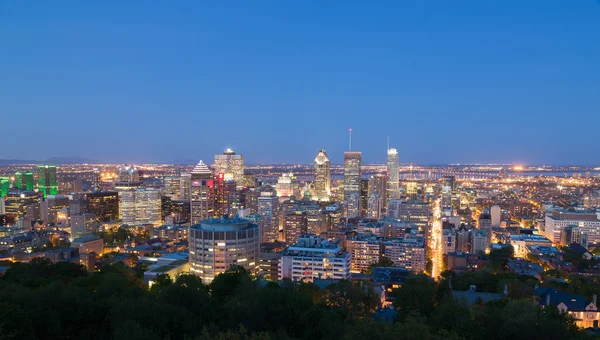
column 574, row 302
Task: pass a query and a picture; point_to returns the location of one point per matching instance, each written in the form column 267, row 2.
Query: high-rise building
column 103, row 204
column 287, row 185
column 352, row 162
column 448, row 241
column 128, row 178
column 224, row 193
column 322, row 177
column 294, row 225
column 374, row 206
column 417, row 212
column 4, row 186
column 558, row 219
column 172, row 187
column 232, row 166
column 18, row 183
column 393, row 175
column 314, row 258
column 29, row 181
column 185, row 183
column 479, row 241
column 83, row 224
column 47, row 180
column 140, row 206
column 268, row 209
column 485, row 224
column 202, row 194
column 217, row 244
column 364, row 196
column 364, row 251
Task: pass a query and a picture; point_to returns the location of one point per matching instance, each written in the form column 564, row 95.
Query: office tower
column 479, row 241
column 4, row 186
column 364, row 196
column 485, row 224
column 268, row 209
column 294, row 225
column 463, row 242
column 166, row 210
column 314, row 258
column 287, row 185
column 322, row 177
column 250, row 198
column 217, row 244
column 232, row 166
column 128, row 178
column 393, row 176
column 411, row 189
column 316, row 222
column 408, row 252
column 374, row 206
column 377, row 185
column 180, row 209
column 47, row 180
column 496, row 213
column 364, row 251
column 202, row 194
column 83, row 224
column 95, row 179
column 140, row 206
column 185, row 183
column 413, row 211
column 172, row 187
column 17, row 204
column 55, row 209
column 29, row 181
column 103, row 204
column 352, row 183
column 224, row 192
column 18, row 183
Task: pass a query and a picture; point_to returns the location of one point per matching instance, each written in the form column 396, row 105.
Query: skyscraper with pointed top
column 322, row 176
column 202, row 194
column 352, row 163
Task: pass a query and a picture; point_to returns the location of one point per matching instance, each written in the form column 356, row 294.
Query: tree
column 383, row 262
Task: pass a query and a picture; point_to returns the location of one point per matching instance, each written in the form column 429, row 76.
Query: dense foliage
column 41, row 300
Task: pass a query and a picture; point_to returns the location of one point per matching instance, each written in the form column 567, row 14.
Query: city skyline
column 466, row 82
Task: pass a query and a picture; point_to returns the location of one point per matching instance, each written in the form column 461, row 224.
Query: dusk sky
column 512, row 81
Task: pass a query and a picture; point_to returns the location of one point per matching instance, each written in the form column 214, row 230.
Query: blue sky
column 448, row 81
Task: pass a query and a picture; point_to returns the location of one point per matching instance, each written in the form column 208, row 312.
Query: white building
column 479, row 240
column 287, row 185
column 140, row 206
column 374, row 206
column 312, row 258
column 448, row 241
column 393, row 176
column 557, row 220
column 322, row 177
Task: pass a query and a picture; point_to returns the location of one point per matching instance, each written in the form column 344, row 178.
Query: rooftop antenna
column 388, row 138
column 350, row 139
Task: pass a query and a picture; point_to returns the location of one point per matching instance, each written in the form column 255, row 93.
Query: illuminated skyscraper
column 4, row 186
column 140, row 206
column 29, row 181
column 47, row 180
column 287, row 185
column 185, row 181
column 224, row 192
column 232, row 166
column 202, row 194
column 18, row 183
column 393, row 185
column 268, row 209
column 322, row 176
column 352, row 183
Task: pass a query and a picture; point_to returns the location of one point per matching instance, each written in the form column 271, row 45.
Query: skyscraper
column 29, row 181
column 393, row 185
column 322, row 176
column 47, row 180
column 232, row 166
column 224, row 191
column 352, row 183
column 18, row 183
column 268, row 209
column 202, row 194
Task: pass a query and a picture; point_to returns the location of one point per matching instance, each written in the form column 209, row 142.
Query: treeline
column 41, row 300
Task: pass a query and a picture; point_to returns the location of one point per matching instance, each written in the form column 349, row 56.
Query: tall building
column 4, row 186
column 448, row 241
column 232, row 166
column 140, row 206
column 202, row 194
column 172, row 187
column 322, row 177
column 393, row 176
column 217, row 244
column 18, row 183
column 47, row 180
column 558, row 220
column 352, row 162
column 295, row 224
column 377, row 185
column 29, row 181
column 364, row 251
column 185, row 183
column 374, row 206
column 103, row 204
column 224, row 193
column 313, row 258
column 485, row 224
column 268, row 209
column 479, row 241
column 83, row 224
column 287, row 185
column 417, row 212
